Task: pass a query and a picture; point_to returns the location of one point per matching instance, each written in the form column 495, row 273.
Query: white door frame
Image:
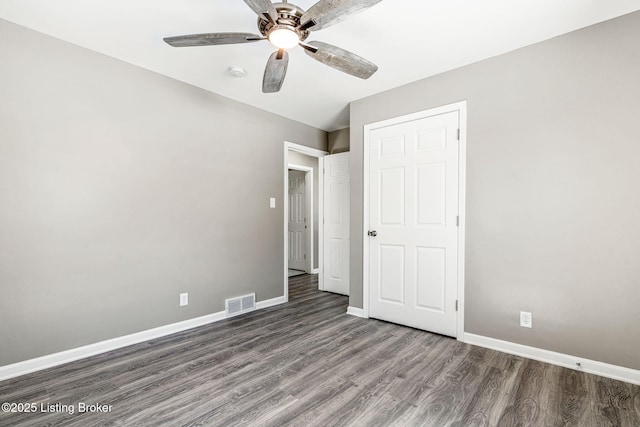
column 461, row 108
column 319, row 154
column 308, row 206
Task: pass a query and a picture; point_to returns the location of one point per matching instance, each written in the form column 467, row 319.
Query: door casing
column 319, row 154
column 461, row 108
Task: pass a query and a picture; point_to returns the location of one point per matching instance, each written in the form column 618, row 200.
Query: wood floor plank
column 424, row 377
column 450, row 393
column 569, row 404
column 371, row 404
column 318, row 400
column 491, row 396
column 526, row 408
column 616, row 403
column 307, row 363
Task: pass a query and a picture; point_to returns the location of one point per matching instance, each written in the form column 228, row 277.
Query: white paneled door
column 297, row 220
column 336, row 224
column 413, row 214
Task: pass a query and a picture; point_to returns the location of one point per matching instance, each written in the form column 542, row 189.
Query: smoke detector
column 237, row 72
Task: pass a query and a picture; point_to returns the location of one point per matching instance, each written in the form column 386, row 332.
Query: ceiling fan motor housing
column 288, row 17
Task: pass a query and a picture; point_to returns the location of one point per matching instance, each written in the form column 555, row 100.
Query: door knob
column 372, row 233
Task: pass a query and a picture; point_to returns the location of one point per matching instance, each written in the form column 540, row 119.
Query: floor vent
column 239, row 305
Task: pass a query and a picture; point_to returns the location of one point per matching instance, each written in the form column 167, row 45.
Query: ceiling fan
column 286, row 25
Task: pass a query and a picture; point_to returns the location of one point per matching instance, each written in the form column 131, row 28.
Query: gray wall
column 300, row 159
column 121, row 188
column 339, row 141
column 552, row 189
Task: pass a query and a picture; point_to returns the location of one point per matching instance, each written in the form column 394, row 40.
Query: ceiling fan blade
column 342, row 60
column 329, row 12
column 209, row 39
column 260, row 7
column 275, row 71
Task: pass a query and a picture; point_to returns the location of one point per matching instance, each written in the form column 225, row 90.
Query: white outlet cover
column 272, row 202
column 526, row 319
column 184, row 299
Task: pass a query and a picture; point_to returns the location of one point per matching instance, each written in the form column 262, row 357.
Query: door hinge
column 305, row 256
column 456, row 305
column 458, row 134
column 458, row 221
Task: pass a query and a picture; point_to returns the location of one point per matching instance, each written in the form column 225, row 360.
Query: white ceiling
column 408, row 40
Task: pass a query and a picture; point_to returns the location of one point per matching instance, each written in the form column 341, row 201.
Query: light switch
column 272, row 203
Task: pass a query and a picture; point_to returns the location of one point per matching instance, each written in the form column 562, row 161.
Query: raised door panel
column 430, row 278
column 391, row 273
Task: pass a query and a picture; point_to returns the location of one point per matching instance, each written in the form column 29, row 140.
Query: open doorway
column 301, row 161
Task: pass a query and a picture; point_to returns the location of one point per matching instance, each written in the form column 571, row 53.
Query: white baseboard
column 270, row 302
column 51, row 360
column 355, row 311
column 568, row 361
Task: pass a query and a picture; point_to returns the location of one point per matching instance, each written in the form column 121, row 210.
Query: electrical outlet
column 184, row 299
column 526, row 319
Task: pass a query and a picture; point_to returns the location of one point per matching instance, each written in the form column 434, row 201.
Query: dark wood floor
column 308, row 363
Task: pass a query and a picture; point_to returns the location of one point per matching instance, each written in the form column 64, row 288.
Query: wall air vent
column 239, row 305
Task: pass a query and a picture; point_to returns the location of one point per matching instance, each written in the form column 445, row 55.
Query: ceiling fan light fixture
column 283, row 37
